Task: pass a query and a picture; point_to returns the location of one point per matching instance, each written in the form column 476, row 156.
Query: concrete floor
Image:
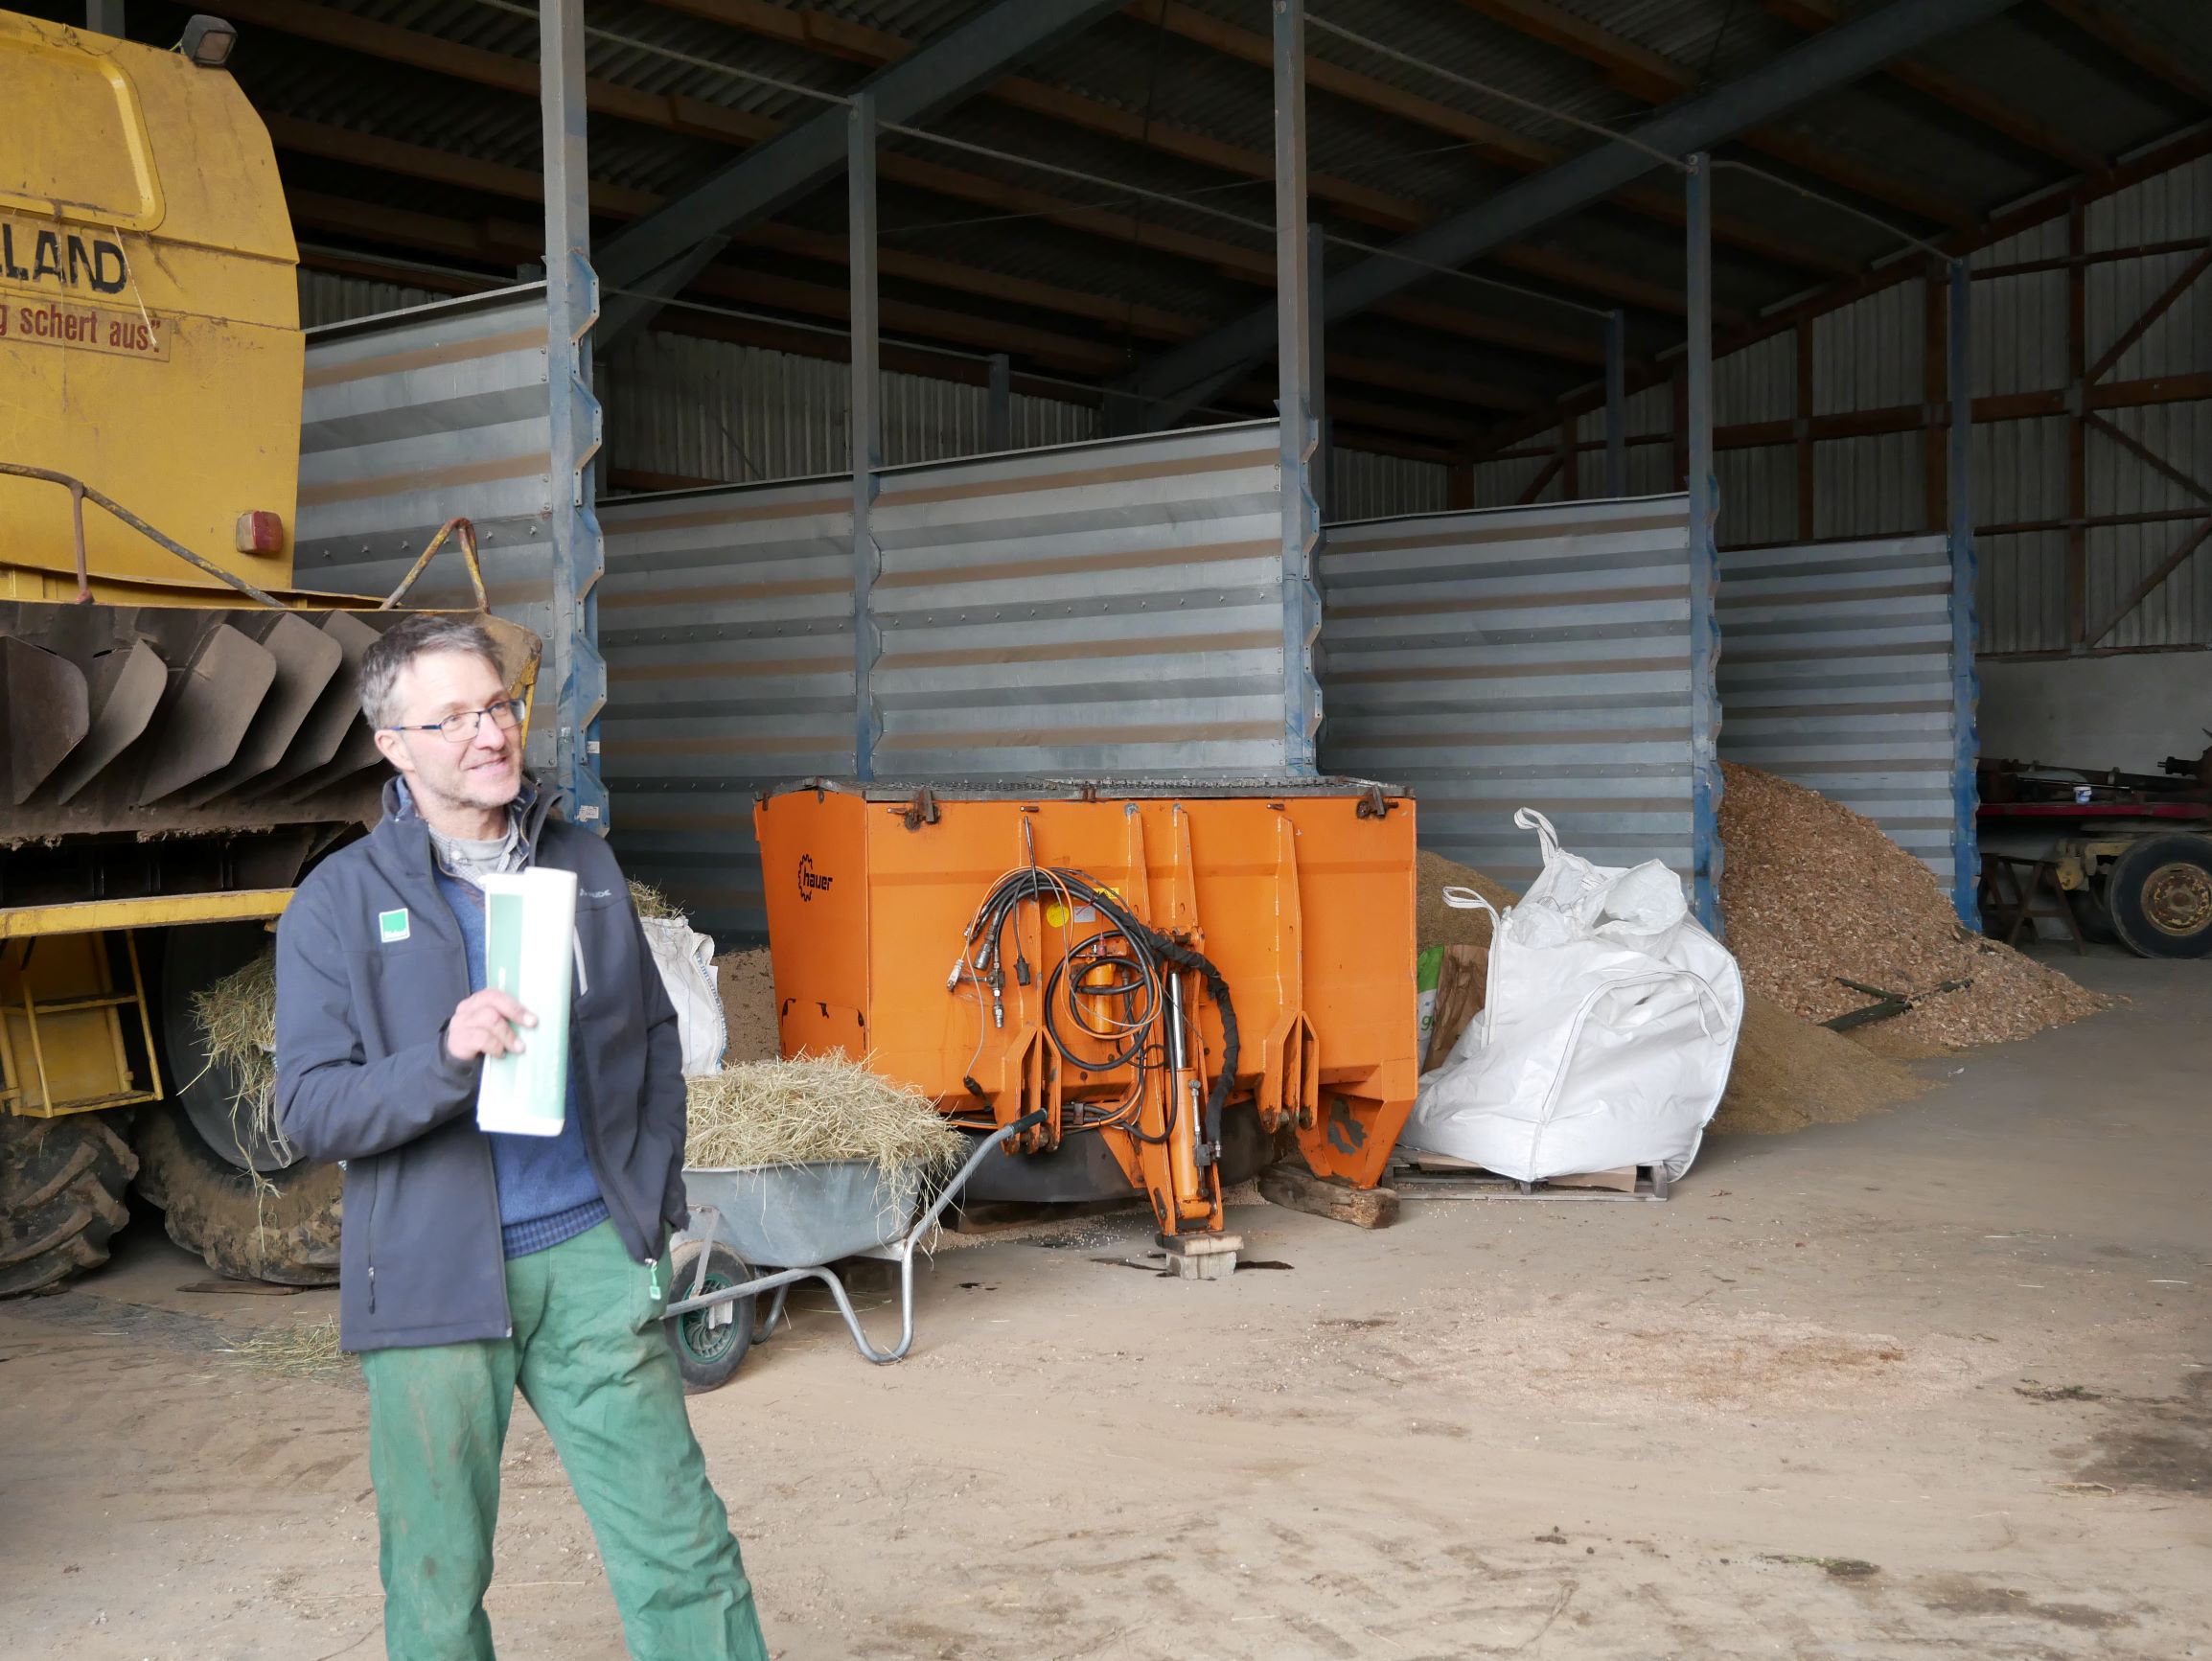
column 1932, row 1383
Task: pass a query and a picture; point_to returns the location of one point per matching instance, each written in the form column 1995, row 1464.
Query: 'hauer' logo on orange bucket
column 807, row 881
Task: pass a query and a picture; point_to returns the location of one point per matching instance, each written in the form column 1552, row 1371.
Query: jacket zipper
column 376, row 1178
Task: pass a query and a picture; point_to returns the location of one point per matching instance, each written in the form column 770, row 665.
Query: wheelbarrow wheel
column 711, row 1342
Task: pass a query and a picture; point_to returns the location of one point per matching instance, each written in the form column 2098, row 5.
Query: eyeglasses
column 463, row 724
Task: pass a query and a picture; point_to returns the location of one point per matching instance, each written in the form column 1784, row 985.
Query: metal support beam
column 659, row 255
column 1966, row 683
column 1617, row 403
column 104, row 17
column 1317, row 388
column 1704, row 559
column 999, row 406
column 1295, row 323
column 867, row 425
column 2077, row 431
column 574, row 668
column 1820, row 64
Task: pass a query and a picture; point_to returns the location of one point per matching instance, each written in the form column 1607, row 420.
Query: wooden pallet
column 1432, row 1177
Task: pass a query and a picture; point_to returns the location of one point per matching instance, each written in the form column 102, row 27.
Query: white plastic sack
column 1605, row 1036
column 685, row 960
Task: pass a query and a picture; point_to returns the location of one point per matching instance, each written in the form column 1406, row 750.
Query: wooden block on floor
column 1293, row 1186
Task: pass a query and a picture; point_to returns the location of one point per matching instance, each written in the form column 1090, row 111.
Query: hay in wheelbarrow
column 811, row 1110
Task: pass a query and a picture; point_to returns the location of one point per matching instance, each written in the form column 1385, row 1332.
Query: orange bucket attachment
column 1183, row 977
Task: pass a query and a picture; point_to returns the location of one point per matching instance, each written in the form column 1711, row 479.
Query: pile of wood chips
column 1437, row 924
column 1788, row 1073
column 1813, row 894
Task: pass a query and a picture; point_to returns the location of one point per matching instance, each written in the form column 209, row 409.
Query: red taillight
column 261, row 532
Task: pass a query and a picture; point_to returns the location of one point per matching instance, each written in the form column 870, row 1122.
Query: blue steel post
column 1293, row 338
column 1617, row 403
column 867, row 430
column 573, row 667
column 1704, row 559
column 1965, row 689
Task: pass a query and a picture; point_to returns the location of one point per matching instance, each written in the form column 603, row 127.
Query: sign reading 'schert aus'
column 67, row 323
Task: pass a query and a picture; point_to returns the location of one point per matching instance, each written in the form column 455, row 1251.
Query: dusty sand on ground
column 1951, row 1345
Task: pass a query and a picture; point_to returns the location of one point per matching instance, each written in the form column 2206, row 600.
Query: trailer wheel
column 709, row 1353
column 62, row 1184
column 2160, row 896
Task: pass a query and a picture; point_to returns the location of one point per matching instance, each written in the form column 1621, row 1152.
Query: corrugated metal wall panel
column 1534, row 656
column 329, row 297
column 1500, row 483
column 1097, row 610
column 1868, row 355
column 712, row 409
column 2022, row 603
column 1836, row 672
column 726, row 621
column 2179, row 610
column 2020, row 471
column 1649, row 411
column 1864, row 486
column 1103, row 609
column 2174, row 204
column 2045, row 241
column 2119, row 293
column 1365, row 486
column 2019, row 329
column 1758, row 495
column 1758, row 384
column 418, row 416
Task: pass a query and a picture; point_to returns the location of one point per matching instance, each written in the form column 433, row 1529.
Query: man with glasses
column 471, row 1263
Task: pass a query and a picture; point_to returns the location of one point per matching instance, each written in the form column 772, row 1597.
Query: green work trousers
column 589, row 1353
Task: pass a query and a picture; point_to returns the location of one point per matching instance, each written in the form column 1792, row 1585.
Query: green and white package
column 1428, row 969
column 529, row 930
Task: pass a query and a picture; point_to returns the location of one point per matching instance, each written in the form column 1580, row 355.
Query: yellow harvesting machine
column 180, row 729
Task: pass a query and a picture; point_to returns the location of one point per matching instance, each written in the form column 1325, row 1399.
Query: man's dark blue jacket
column 370, row 964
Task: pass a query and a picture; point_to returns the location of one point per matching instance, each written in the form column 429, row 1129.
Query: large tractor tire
column 248, row 1204
column 62, row 1184
column 286, row 1229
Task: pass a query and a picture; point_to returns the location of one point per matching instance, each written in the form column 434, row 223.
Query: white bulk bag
column 1605, row 1036
column 686, row 960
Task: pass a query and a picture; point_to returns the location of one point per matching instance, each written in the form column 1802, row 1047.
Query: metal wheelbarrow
column 801, row 1218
